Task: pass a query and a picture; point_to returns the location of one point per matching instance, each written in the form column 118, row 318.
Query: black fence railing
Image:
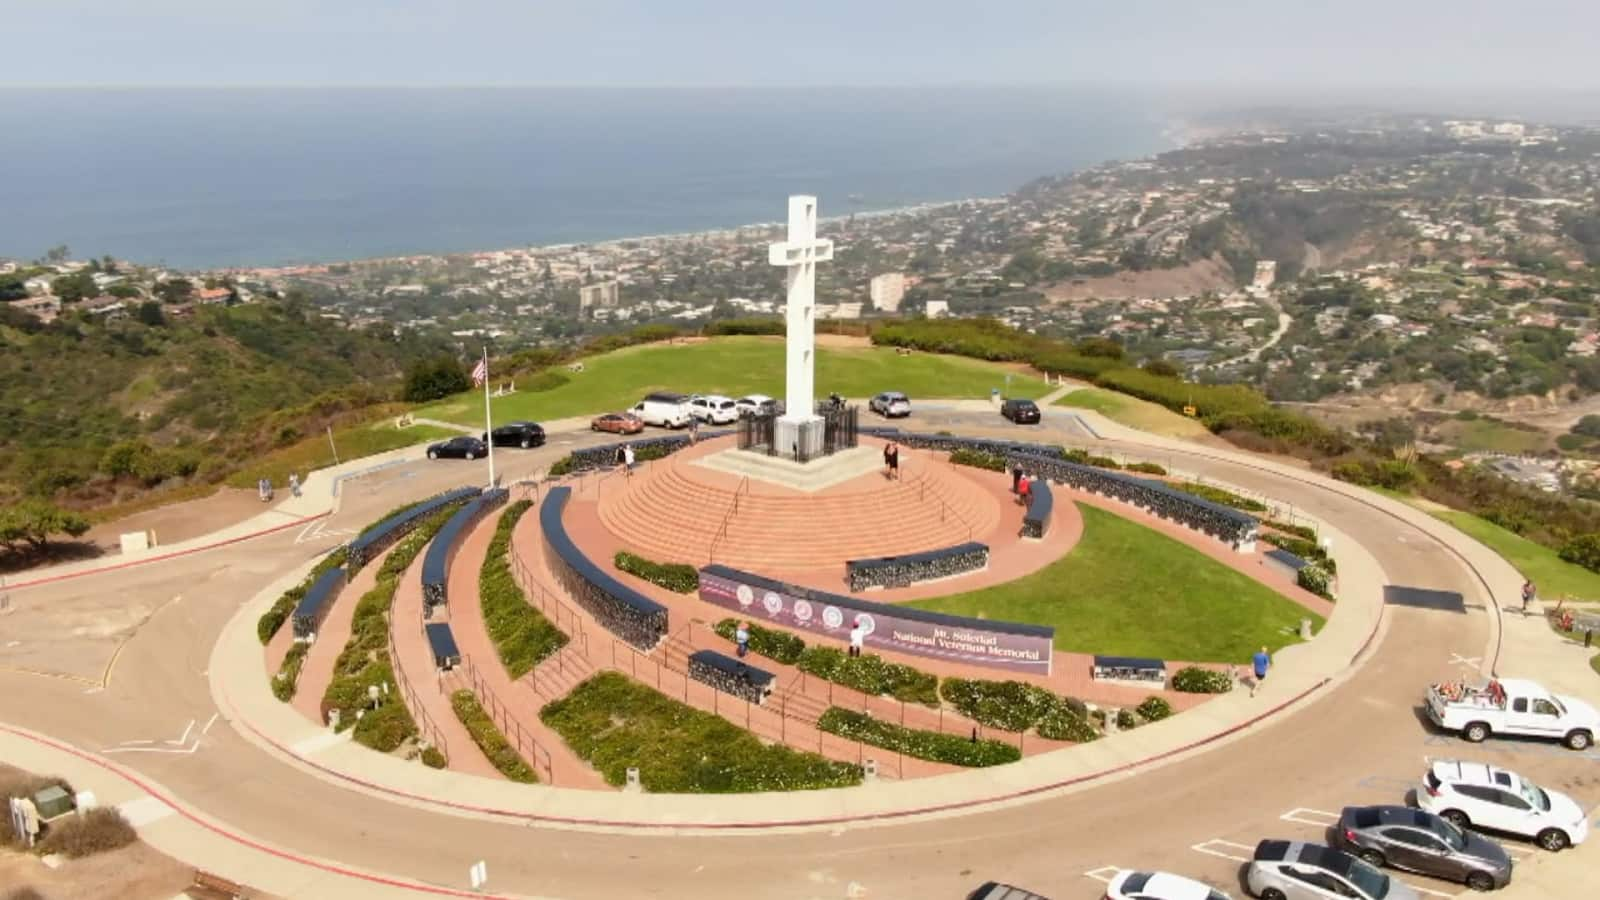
column 839, row 429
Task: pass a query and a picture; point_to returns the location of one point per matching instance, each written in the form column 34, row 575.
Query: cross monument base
column 802, row 432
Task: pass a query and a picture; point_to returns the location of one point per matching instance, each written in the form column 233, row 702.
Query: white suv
column 713, row 409
column 1489, row 797
column 1128, row 885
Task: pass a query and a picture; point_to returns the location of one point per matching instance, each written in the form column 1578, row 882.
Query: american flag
column 480, row 373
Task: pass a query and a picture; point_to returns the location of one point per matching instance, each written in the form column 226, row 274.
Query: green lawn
column 1554, row 577
column 733, row 366
column 314, row 453
column 1130, row 591
column 1133, row 412
column 1490, row 436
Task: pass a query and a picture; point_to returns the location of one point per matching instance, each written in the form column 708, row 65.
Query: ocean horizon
column 224, row 177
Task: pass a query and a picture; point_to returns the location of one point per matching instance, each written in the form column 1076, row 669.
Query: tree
column 1583, row 550
column 1162, row 368
column 1100, row 346
column 431, row 380
column 12, row 288
column 1589, row 426
column 32, row 522
column 74, row 287
column 58, row 253
column 150, row 314
column 175, row 290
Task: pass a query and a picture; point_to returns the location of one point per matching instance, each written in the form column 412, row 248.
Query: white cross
column 799, row 256
column 1457, row 659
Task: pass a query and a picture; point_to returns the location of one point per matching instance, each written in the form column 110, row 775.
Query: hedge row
column 267, row 626
column 487, row 736
column 1195, row 680
column 521, row 634
column 1315, row 579
column 1218, row 495
column 680, row 577
column 364, row 662
column 288, row 678
column 978, row 459
column 776, row 645
column 613, row 723
column 1300, row 531
column 1019, row 706
column 869, row 674
column 930, row 745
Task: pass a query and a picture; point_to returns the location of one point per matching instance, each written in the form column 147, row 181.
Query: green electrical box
column 52, row 802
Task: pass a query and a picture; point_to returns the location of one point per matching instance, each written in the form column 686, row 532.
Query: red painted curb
column 173, row 555
column 238, row 838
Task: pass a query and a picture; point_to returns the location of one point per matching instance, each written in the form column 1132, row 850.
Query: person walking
column 1261, row 661
column 1024, row 490
column 894, row 462
column 294, row 484
column 741, row 637
column 888, row 449
column 1528, row 591
column 858, row 636
column 627, row 458
column 1016, row 478
column 694, row 430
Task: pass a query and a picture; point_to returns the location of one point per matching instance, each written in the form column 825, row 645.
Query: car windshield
column 1368, row 880
column 1535, row 796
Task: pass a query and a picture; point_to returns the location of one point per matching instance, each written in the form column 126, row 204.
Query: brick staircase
column 676, row 511
column 559, row 673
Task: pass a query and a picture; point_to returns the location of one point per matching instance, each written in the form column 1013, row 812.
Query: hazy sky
column 1227, row 43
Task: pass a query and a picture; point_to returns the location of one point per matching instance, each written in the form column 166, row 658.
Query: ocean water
column 208, row 178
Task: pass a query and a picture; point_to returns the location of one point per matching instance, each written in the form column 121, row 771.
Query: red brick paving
column 317, row 670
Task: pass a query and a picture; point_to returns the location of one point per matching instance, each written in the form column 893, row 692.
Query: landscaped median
column 868, row 673
column 680, row 578
column 487, row 736
column 521, row 634
column 1019, row 706
column 614, row 723
column 930, row 745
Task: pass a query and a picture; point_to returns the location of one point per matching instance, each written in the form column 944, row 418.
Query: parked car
column 1129, row 885
column 758, row 405
column 1512, row 706
column 891, row 405
column 617, row 423
column 713, row 409
column 463, row 447
column 994, row 890
column 664, row 409
column 518, row 434
column 1022, row 412
column 1420, row 841
column 1478, row 795
column 1295, row 870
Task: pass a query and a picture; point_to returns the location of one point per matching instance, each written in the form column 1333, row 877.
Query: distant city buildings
column 938, row 309
column 887, row 290
column 597, row 296
column 1266, row 274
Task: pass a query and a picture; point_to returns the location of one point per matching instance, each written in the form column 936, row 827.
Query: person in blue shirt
column 1262, row 662
column 741, row 637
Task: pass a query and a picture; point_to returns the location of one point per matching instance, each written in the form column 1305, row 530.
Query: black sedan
column 1022, row 412
column 518, row 434
column 464, row 447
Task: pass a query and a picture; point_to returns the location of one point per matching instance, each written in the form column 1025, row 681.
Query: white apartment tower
column 887, row 291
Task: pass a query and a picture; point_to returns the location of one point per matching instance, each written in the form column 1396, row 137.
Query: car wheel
column 471, row 455
column 526, row 443
column 1554, row 839
column 1475, row 733
column 1272, row 894
column 1480, row 881
column 433, row 454
column 1374, row 858
column 1578, row 740
column 1456, row 817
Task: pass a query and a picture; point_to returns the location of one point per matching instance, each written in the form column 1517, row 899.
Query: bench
column 730, row 675
column 442, row 643
column 1130, row 668
column 217, row 885
column 901, row 571
column 314, row 606
column 1040, row 504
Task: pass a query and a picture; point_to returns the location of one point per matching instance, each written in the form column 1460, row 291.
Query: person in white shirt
column 627, row 459
column 858, row 636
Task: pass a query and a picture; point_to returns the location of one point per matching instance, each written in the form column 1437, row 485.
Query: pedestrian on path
column 888, row 449
column 694, row 430
column 1016, row 479
column 1024, row 491
column 294, row 484
column 742, row 637
column 1262, row 661
column 1528, row 590
column 894, row 462
column 627, row 458
column 261, row 489
column 858, row 635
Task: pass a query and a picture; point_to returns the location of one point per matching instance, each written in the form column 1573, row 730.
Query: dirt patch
column 135, row 872
column 844, row 341
column 182, row 521
column 1194, row 278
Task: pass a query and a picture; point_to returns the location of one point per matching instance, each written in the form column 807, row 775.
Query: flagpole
column 488, row 420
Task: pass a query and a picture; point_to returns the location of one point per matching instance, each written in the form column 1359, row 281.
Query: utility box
column 52, row 802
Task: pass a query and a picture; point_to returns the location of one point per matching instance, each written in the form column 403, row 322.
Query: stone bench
column 379, row 537
column 730, row 675
column 1138, row 669
column 442, row 549
column 620, row 609
column 900, row 571
column 1036, row 522
column 442, row 644
column 314, row 606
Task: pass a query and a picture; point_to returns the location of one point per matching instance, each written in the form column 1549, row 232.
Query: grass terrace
column 733, row 366
column 1134, row 413
column 614, row 723
column 313, row 452
column 1128, row 590
column 1553, row 576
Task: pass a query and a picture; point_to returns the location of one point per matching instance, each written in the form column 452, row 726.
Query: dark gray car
column 1407, row 838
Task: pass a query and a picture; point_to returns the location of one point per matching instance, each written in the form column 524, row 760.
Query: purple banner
column 885, row 630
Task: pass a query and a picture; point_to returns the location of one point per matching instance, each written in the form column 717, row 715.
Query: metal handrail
column 409, row 697
column 727, row 520
column 500, row 714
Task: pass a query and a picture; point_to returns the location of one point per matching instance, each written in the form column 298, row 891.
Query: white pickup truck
column 1512, row 706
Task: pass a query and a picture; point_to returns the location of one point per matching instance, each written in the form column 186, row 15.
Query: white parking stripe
column 1314, row 817
column 1103, row 874
column 1217, row 848
column 1431, row 893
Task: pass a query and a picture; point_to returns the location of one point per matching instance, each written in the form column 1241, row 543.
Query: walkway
column 316, row 672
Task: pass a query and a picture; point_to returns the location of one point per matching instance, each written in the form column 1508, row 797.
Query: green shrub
column 1102, row 462
column 563, row 466
column 1126, row 720
column 777, row 645
column 522, row 635
column 930, row 745
column 1061, row 723
column 288, row 678
column 1146, row 468
column 613, row 723
column 1218, row 495
column 384, row 729
column 1305, row 532
column 434, row 759
column 679, row 577
column 1154, row 709
column 96, row 831
column 1583, row 550
column 487, row 736
column 1307, row 550
column 869, row 674
column 978, row 459
column 1015, row 706
column 1315, row 579
column 1195, row 680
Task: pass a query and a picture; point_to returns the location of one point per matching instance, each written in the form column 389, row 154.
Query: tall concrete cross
column 799, row 255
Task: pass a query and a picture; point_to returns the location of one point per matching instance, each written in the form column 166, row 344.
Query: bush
column 487, row 736
column 1583, row 550
column 384, row 729
column 288, row 677
column 1218, row 495
column 1061, row 723
column 930, row 745
column 1195, row 680
column 1315, row 579
column 679, row 577
column 563, row 466
column 1305, row 532
column 433, row 379
column 1102, row 462
column 1018, row 706
column 1146, row 468
column 776, row 645
column 521, row 634
column 96, row 831
column 1154, row 709
column 1126, row 720
column 434, row 759
column 613, row 723
column 869, row 674
column 978, row 459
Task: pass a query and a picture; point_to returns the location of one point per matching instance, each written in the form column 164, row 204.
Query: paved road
column 1361, row 742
